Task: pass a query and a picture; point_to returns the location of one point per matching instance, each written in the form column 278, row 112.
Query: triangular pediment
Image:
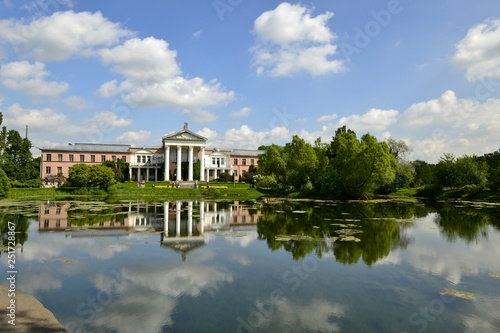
column 185, row 135
column 143, row 151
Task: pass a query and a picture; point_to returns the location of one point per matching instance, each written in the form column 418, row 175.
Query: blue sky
column 246, row 73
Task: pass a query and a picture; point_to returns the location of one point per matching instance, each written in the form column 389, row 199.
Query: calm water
column 281, row 267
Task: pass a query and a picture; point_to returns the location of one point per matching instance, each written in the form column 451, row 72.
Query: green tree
column 17, row 161
column 4, row 184
column 79, row 176
column 359, row 167
column 101, row 176
column 457, row 172
column 273, row 163
column 424, row 173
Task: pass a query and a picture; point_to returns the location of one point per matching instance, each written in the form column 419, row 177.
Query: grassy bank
column 450, row 194
column 129, row 191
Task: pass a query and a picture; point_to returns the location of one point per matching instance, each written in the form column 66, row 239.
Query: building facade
column 174, row 161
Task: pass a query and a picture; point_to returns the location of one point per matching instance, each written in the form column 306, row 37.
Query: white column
column 167, row 163
column 165, row 218
column 202, row 216
column 190, row 218
column 147, row 174
column 130, row 173
column 156, row 174
column 179, row 161
column 178, row 218
column 202, row 164
column 190, row 158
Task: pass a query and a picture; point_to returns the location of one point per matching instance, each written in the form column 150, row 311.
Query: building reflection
column 181, row 224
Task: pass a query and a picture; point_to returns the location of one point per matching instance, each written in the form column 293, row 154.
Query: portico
column 180, row 147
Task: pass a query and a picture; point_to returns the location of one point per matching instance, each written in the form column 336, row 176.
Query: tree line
column 349, row 167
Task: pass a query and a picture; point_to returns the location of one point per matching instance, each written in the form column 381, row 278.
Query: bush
column 33, row 183
column 212, row 193
column 267, row 182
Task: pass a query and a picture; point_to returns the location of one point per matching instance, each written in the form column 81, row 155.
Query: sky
column 249, row 73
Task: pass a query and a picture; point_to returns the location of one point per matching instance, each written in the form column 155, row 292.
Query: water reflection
column 191, row 266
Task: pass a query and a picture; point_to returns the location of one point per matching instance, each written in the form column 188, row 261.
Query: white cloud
column 134, row 136
column 61, row 35
column 153, row 79
column 290, row 41
column 208, row 133
column 244, row 112
column 247, row 138
column 29, row 78
column 326, row 118
column 373, row 120
column 198, row 33
column 77, row 102
column 455, row 125
column 479, row 52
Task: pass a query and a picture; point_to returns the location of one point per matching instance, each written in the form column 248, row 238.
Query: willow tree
column 359, row 166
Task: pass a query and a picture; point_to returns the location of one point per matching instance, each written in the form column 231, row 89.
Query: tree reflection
column 374, row 227
column 466, row 223
column 21, row 232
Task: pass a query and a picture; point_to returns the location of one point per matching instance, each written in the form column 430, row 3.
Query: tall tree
column 360, row 166
column 17, row 159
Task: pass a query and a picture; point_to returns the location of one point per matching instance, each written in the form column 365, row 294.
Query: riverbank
column 30, row 315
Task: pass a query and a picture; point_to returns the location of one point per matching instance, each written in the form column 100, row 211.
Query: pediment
column 185, row 135
column 144, row 152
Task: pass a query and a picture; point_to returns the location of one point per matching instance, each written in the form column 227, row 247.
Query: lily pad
column 350, row 239
column 299, row 211
column 458, row 293
column 348, row 232
column 286, row 238
column 496, row 276
column 62, row 259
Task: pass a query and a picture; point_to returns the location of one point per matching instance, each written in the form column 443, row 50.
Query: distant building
column 154, row 163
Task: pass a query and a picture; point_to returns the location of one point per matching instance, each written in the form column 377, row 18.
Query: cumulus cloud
column 326, row 118
column 244, row 112
column 247, row 138
column 373, row 120
column 153, row 79
column 134, row 136
column 62, row 35
column 449, row 124
column 290, row 41
column 479, row 52
column 30, row 79
column 77, row 102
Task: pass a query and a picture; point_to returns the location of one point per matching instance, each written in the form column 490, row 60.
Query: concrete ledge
column 31, row 315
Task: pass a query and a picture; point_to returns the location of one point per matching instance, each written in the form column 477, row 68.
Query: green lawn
column 130, row 191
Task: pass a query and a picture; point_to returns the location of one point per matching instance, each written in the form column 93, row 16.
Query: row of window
column 46, row 223
column 48, row 170
column 244, row 161
column 71, row 157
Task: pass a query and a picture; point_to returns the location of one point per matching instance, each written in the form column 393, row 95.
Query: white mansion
column 154, row 163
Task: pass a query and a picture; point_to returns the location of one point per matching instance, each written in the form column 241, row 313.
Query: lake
column 276, row 266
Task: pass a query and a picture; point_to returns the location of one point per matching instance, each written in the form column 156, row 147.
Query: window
column 222, row 161
column 59, row 157
column 46, row 223
column 59, row 170
column 47, row 170
column 103, row 158
column 49, row 157
column 243, row 161
column 144, row 159
column 149, row 159
column 47, row 210
column 58, row 223
column 124, row 158
column 113, row 158
column 252, row 162
column 213, row 160
column 236, row 173
column 235, row 161
column 58, row 210
column 82, row 158
column 71, row 158
column 92, row 158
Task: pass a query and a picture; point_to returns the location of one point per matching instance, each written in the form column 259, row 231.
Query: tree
column 17, row 161
column 4, row 184
column 359, row 167
column 424, row 173
column 291, row 165
column 83, row 176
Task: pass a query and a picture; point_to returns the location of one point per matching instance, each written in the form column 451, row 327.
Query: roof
column 92, row 147
column 247, row 152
